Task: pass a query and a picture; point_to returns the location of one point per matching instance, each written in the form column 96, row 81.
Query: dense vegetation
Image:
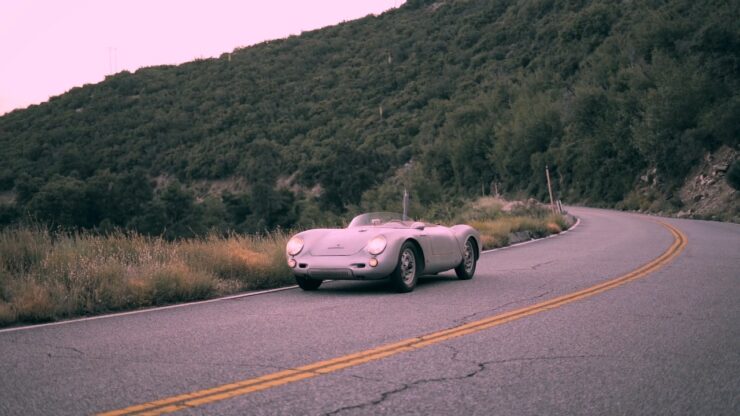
column 447, row 98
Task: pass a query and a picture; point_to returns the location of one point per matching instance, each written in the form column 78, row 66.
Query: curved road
column 665, row 342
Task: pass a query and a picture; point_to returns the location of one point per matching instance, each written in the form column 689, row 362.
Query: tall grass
column 46, row 276
column 502, row 223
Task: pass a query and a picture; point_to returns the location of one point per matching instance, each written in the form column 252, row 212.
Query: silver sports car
column 382, row 245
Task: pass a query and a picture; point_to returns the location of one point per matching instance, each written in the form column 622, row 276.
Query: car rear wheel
column 466, row 269
column 404, row 277
column 308, row 284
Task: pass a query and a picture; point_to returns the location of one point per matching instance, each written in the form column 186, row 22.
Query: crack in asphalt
column 545, row 283
column 466, row 318
column 672, row 315
column 318, row 373
column 481, row 367
column 82, row 355
column 534, row 267
column 538, row 265
column 79, row 353
column 363, row 378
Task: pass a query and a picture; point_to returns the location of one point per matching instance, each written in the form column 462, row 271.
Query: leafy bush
column 733, row 175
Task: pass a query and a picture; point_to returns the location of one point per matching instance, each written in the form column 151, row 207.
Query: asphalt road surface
column 665, row 339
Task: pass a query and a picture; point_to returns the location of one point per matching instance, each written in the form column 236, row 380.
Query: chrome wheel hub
column 469, row 257
column 408, row 266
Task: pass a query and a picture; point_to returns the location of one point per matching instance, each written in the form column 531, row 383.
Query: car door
column 444, row 246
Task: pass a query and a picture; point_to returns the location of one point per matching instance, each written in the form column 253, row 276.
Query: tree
column 118, row 198
column 669, row 136
column 532, row 124
column 61, row 202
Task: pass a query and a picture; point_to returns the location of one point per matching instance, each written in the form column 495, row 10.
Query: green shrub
column 733, row 175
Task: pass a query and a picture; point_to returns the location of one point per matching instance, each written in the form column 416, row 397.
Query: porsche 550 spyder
column 382, row 245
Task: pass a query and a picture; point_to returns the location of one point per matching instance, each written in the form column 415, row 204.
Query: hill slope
column 448, row 97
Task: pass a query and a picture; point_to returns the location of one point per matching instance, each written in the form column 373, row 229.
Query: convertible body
column 379, row 246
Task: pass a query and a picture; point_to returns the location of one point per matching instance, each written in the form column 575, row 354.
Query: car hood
column 342, row 242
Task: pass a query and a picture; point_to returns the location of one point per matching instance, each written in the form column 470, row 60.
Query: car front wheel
column 307, row 284
column 404, row 277
column 466, row 269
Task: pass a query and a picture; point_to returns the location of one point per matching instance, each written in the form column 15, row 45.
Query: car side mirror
column 418, row 225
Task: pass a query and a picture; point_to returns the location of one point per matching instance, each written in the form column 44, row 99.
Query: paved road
column 666, row 343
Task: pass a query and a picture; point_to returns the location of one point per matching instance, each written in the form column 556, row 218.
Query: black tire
column 466, row 269
column 406, row 273
column 308, row 284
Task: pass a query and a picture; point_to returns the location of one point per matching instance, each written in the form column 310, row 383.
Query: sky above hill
column 48, row 47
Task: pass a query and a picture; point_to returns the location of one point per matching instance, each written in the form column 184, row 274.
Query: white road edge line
column 534, row 240
column 155, row 309
column 242, row 295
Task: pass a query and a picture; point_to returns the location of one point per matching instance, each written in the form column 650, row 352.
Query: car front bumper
column 343, row 267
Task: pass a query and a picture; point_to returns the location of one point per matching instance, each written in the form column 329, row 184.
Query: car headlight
column 376, row 245
column 295, row 245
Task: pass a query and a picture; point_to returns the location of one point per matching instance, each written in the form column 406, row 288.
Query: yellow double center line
column 227, row 391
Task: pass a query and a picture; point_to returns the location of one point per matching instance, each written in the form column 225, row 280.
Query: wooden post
column 549, row 188
column 405, row 204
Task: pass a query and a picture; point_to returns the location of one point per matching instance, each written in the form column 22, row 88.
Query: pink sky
column 48, row 47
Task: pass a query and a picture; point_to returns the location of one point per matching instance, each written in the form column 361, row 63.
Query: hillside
column 447, row 97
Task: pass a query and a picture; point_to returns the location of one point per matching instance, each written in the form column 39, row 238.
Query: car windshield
column 376, row 219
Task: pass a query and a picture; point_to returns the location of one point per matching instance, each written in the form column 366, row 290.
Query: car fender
column 396, row 239
column 462, row 233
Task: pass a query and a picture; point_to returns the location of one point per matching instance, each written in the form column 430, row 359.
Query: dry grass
column 500, row 228
column 7, row 314
column 45, row 276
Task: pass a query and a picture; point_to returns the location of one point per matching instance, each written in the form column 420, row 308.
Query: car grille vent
column 331, row 273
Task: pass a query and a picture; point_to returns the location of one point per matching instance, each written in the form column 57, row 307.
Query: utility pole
column 549, row 189
column 405, row 204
